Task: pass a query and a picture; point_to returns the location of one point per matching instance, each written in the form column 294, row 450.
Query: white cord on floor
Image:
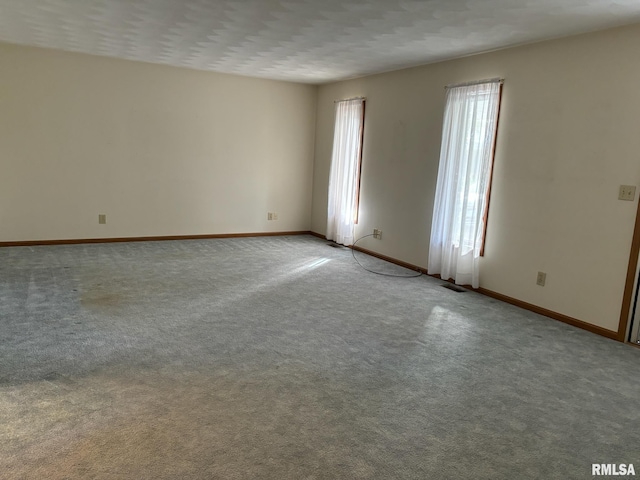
column 373, row 271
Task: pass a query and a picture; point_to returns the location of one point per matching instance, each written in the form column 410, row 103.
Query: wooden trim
column 504, row 298
column 549, row 313
column 410, row 266
column 74, row 241
column 485, row 215
column 319, row 235
column 359, row 169
column 627, row 297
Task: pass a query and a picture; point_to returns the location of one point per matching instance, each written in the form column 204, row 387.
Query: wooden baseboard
column 410, row 266
column 319, row 235
column 74, row 241
column 504, row 298
column 550, row 313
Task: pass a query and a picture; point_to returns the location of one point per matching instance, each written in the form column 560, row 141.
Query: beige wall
column 159, row 150
column 569, row 135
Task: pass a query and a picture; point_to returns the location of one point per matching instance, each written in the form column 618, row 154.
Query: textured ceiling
column 313, row 41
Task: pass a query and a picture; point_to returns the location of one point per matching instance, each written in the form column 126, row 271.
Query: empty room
column 380, row 239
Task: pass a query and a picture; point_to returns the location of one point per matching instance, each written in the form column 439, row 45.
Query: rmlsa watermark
column 609, row 469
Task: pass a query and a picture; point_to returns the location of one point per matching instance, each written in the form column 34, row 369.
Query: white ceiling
column 314, row 41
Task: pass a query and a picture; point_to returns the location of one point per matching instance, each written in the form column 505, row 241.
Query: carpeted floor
column 280, row 358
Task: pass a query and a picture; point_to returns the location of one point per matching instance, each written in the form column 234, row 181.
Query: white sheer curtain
column 466, row 155
column 345, row 171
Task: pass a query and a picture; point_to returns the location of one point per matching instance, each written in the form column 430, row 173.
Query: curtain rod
column 347, row 99
column 476, row 82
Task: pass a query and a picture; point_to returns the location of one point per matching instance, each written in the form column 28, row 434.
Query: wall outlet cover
column 627, row 192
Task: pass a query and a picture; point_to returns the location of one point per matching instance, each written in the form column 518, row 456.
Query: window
column 344, row 179
column 464, row 180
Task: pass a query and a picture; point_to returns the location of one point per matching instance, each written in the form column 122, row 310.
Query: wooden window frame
column 359, row 167
column 485, row 215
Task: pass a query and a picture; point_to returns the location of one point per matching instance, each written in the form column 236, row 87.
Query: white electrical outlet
column 377, row 233
column 542, row 278
column 627, row 192
column 102, row 219
column 269, row 216
column 274, row 216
